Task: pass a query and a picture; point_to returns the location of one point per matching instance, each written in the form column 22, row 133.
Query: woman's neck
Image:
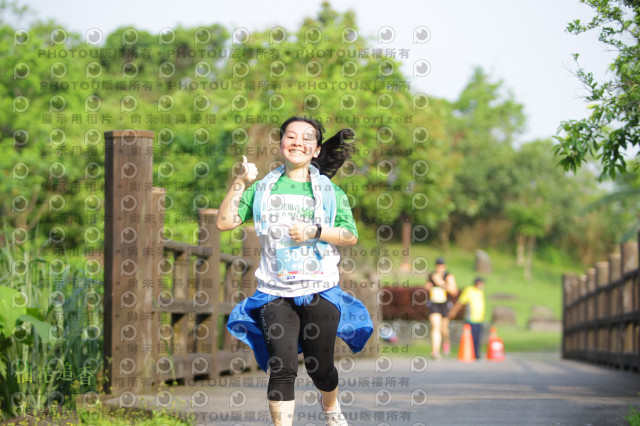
column 298, row 174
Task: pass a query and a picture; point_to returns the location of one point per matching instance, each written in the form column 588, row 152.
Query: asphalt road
column 525, row 389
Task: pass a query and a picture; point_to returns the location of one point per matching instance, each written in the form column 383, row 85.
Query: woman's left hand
column 301, row 231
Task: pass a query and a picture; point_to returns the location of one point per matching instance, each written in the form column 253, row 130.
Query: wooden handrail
column 601, row 311
column 204, row 252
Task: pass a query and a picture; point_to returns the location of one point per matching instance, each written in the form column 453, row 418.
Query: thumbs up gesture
column 248, row 171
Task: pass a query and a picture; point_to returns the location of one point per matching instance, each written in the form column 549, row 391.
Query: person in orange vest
column 473, row 298
column 440, row 285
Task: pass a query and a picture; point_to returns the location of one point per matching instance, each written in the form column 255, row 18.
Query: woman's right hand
column 437, row 280
column 248, row 171
column 228, row 217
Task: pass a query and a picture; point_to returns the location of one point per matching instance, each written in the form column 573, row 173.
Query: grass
column 100, row 416
column 515, row 340
column 544, row 289
column 634, row 416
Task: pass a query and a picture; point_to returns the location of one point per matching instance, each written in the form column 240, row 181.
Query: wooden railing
column 601, row 312
column 166, row 303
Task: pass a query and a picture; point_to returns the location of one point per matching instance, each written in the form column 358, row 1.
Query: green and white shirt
column 291, row 201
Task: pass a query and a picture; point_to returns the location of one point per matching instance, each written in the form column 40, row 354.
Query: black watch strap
column 318, row 232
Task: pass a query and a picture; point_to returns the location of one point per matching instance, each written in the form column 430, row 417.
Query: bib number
column 438, row 295
column 297, row 262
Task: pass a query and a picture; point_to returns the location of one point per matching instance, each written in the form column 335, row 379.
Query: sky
column 521, row 42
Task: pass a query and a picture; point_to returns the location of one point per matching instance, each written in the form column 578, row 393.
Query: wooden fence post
column 128, row 202
column 602, row 279
column 567, row 300
column 630, row 254
column 159, row 199
column 209, row 236
column 629, row 262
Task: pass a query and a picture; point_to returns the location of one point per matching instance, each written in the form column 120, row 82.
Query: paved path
column 522, row 390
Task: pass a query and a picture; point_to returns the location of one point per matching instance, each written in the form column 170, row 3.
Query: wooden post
column 583, row 287
column 629, row 262
column 582, row 311
column 405, row 266
column 209, row 236
column 179, row 317
column 128, row 202
column 566, row 302
column 602, row 280
column 159, row 196
column 629, row 256
column 615, row 307
column 602, row 274
column 615, row 272
column 615, row 267
column 591, row 296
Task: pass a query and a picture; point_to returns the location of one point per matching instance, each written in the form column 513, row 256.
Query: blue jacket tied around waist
column 355, row 326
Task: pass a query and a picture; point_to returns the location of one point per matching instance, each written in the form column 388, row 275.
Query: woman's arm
column 437, row 279
column 301, row 231
column 228, row 218
column 430, row 281
column 338, row 236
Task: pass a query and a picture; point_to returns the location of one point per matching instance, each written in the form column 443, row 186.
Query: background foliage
column 211, row 96
column 456, row 168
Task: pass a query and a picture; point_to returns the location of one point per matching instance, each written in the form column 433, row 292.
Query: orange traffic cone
column 466, row 352
column 495, row 347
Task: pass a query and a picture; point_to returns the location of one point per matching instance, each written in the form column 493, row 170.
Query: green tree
column 210, row 97
column 483, row 124
column 538, row 187
column 622, row 203
column 400, row 170
column 612, row 130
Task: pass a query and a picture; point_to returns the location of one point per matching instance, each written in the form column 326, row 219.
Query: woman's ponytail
column 334, row 152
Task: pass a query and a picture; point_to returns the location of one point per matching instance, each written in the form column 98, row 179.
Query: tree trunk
column 405, row 266
column 531, row 246
column 444, row 234
column 520, row 249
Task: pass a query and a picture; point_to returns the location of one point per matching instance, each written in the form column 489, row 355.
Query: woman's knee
column 325, row 377
column 283, row 369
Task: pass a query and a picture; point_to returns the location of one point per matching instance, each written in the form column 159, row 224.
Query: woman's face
column 299, row 144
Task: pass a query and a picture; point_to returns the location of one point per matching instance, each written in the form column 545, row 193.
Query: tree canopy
column 212, row 94
column 611, row 133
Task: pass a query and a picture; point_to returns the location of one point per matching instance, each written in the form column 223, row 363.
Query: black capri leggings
column 315, row 327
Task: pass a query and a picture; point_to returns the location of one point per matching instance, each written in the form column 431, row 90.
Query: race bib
column 437, row 295
column 297, row 261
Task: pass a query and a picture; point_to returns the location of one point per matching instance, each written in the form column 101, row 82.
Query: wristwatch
column 318, row 232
